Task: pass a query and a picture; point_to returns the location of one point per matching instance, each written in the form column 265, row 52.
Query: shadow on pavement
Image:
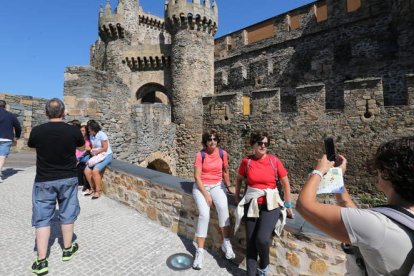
column 230, row 265
column 9, row 172
column 55, row 234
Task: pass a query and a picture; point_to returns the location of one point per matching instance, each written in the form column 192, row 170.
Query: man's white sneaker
column 228, row 250
column 198, row 259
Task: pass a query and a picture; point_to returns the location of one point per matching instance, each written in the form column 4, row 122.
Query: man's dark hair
column 258, row 136
column 92, row 124
column 55, row 108
column 394, row 160
column 76, row 123
column 2, row 104
column 207, row 135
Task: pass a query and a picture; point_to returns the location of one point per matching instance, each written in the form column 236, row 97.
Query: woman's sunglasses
column 212, row 139
column 263, row 144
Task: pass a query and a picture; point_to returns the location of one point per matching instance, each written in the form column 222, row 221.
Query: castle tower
column 192, row 26
column 117, row 30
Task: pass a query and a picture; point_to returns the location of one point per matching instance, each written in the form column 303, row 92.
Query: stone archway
column 159, row 165
column 153, row 93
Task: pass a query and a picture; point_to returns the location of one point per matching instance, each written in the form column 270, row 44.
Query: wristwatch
column 316, row 172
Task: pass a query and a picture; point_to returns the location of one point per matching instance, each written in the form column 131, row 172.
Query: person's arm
column 344, row 199
column 226, row 173
column 325, row 217
column 226, row 178
column 239, row 181
column 80, row 143
column 104, row 148
column 286, row 192
column 17, row 127
column 200, row 186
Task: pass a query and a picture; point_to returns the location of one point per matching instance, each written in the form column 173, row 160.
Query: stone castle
column 342, row 68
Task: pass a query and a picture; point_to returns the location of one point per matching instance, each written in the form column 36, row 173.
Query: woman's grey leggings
column 218, row 194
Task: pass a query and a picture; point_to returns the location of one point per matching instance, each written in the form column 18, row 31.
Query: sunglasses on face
column 263, row 144
column 212, row 139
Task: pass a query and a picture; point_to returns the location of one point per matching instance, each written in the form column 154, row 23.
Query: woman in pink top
column 210, row 168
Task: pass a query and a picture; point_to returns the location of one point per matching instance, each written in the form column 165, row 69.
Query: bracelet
column 316, row 172
column 289, row 204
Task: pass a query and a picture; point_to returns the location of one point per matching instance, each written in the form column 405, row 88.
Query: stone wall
column 371, row 41
column 326, row 70
column 297, row 137
column 168, row 201
column 30, row 112
column 138, row 133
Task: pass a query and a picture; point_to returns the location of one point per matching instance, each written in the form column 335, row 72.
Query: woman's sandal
column 89, row 193
column 96, row 196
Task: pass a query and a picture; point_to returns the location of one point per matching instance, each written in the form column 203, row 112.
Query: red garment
column 261, row 174
column 212, row 167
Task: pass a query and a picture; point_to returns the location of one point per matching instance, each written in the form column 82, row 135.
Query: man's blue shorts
column 5, row 147
column 44, row 198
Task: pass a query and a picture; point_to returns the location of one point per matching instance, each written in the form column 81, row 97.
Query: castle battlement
column 148, row 57
column 195, row 15
column 311, row 19
column 110, row 23
column 151, row 21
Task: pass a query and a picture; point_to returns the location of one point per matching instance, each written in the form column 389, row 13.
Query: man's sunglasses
column 263, row 144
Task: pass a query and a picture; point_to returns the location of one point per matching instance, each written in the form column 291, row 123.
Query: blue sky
column 40, row 38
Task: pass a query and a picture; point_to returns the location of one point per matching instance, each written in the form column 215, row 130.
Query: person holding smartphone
column 385, row 246
column 212, row 181
column 261, row 205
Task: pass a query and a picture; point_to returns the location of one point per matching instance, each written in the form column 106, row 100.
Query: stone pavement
column 113, row 239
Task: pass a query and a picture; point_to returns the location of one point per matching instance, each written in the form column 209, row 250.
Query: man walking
column 56, row 181
column 8, row 122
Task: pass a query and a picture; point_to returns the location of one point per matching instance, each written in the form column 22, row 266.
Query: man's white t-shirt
column 386, row 246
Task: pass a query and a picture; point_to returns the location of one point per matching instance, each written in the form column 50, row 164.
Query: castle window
column 353, row 5
column 293, row 22
column 246, row 105
column 321, row 11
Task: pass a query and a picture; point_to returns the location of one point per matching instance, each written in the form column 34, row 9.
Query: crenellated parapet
column 200, row 15
column 111, row 23
column 151, row 21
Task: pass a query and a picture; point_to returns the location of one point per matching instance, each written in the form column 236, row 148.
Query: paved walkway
column 113, row 239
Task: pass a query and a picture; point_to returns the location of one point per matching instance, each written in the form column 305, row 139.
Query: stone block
column 151, row 213
column 293, row 259
column 318, row 267
column 70, row 101
column 26, row 102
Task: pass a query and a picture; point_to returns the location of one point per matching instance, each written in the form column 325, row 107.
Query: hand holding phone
column 330, row 149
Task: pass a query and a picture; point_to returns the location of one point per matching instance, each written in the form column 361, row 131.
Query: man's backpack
column 203, row 154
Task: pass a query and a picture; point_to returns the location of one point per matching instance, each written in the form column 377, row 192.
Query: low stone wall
column 29, row 111
column 168, row 200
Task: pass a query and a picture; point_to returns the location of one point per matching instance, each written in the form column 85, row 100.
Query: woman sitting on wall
column 210, row 168
column 385, row 245
column 261, row 203
column 100, row 144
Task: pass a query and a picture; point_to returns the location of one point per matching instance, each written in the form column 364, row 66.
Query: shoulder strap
column 271, row 163
column 203, row 155
column 247, row 165
column 397, row 214
column 221, row 153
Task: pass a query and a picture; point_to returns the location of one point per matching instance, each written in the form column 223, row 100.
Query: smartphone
column 330, row 149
